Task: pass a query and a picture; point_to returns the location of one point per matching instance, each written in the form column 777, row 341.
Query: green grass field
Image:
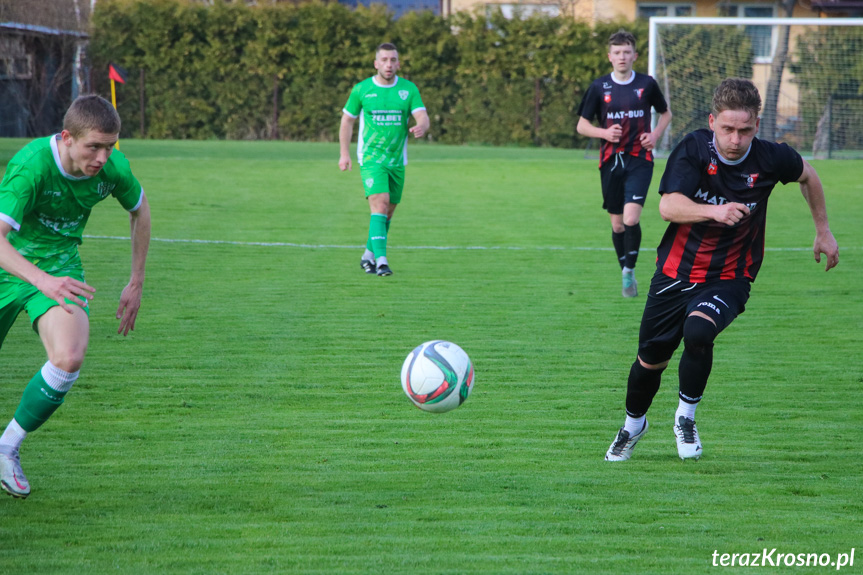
column 254, row 422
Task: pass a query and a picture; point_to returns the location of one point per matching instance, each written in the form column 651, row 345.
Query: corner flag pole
column 116, row 73
column 114, row 101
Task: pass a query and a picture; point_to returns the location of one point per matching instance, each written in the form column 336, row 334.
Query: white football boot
column 12, row 479
column 622, row 446
column 688, row 442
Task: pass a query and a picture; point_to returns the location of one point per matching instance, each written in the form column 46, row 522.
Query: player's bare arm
column 680, row 209
column 346, row 132
column 612, row 134
column 56, row 288
column 649, row 139
column 422, row 124
column 813, row 193
column 130, row 299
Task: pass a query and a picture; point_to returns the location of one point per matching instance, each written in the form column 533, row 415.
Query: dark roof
column 40, row 29
column 46, row 16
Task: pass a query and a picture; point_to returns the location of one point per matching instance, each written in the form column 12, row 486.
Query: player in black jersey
column 714, row 193
column 621, row 102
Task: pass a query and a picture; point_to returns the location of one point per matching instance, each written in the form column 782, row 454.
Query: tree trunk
column 770, row 110
column 821, row 143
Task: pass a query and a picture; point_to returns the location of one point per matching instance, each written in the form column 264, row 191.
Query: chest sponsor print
column 387, row 117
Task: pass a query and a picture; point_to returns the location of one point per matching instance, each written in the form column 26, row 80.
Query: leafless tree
column 777, row 68
column 48, row 33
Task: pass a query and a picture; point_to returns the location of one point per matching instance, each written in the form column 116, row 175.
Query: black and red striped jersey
column 610, row 102
column 709, row 250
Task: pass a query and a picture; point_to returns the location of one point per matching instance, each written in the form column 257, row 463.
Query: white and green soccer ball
column 437, row 376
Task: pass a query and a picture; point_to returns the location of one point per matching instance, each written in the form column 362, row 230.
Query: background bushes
column 211, row 71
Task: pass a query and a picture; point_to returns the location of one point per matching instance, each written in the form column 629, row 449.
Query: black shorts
column 669, row 303
column 625, row 179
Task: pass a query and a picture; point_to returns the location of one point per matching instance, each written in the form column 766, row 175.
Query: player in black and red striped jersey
column 621, row 102
column 714, row 193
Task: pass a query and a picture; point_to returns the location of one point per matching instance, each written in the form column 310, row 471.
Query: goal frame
column 656, row 21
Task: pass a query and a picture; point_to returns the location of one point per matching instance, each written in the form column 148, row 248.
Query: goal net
column 808, row 70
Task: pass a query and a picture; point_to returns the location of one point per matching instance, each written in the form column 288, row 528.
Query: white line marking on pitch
column 395, row 246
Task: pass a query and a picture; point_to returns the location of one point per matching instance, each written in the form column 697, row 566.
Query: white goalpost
column 809, row 72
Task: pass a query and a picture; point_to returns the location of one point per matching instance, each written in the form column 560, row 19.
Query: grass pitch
column 254, row 421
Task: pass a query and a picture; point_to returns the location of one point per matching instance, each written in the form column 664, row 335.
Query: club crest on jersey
column 403, row 94
column 370, row 182
column 607, row 97
column 711, row 169
column 638, row 92
column 751, row 179
column 104, row 189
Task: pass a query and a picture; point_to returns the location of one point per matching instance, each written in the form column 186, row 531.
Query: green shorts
column 17, row 295
column 378, row 179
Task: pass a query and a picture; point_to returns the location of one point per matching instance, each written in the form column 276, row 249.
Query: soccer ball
column 437, row 376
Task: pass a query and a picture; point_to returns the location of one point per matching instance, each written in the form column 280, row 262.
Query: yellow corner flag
column 118, row 74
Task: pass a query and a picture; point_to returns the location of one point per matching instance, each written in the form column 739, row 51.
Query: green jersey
column 48, row 208
column 384, row 112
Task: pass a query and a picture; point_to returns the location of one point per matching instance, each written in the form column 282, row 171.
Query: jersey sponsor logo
column 711, row 169
column 59, row 224
column 607, row 97
column 627, row 114
column 403, row 94
column 708, row 199
column 717, row 200
column 638, row 92
column 750, row 179
column 371, row 95
column 387, row 117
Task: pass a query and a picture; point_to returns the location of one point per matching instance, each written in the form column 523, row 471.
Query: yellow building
column 604, row 10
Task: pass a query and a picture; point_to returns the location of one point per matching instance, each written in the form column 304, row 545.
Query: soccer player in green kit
column 46, row 196
column 384, row 103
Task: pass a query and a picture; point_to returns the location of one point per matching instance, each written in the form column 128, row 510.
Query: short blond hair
column 91, row 112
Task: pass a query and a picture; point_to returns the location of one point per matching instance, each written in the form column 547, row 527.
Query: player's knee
column 659, row 365
column 631, row 220
column 380, row 203
column 698, row 332
column 68, row 359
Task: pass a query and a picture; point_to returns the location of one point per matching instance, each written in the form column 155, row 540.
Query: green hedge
column 210, row 71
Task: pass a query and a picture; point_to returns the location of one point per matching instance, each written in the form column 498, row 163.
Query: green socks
column 378, row 226
column 38, row 402
column 369, row 239
column 43, row 395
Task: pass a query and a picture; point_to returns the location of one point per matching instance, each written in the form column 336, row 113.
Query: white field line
column 396, row 246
